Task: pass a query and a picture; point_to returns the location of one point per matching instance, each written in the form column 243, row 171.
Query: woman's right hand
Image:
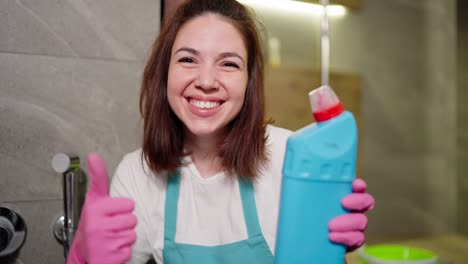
column 105, row 234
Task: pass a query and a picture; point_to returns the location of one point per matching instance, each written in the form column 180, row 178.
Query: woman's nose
column 207, row 78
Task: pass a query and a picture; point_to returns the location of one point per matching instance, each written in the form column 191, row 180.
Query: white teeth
column 203, row 104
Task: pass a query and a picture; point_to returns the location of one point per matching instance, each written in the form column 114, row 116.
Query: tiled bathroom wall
column 462, row 114
column 404, row 51
column 69, row 81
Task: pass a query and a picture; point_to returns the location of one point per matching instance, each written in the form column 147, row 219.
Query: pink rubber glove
column 105, row 233
column 349, row 229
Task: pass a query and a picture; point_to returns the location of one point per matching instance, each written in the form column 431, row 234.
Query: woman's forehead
column 210, row 32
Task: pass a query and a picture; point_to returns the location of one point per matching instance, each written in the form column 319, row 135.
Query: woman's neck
column 204, row 154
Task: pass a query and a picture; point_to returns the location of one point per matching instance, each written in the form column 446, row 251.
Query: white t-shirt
column 209, row 209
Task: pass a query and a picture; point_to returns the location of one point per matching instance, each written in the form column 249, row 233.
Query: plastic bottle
column 318, row 170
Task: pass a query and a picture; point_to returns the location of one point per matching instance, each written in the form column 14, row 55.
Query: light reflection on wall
column 296, row 7
column 291, row 31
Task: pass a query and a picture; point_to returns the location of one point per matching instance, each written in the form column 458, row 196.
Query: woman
column 205, row 186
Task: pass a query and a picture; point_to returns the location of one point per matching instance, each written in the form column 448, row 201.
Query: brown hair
column 242, row 150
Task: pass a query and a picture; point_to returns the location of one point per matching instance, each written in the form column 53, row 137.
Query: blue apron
column 252, row 250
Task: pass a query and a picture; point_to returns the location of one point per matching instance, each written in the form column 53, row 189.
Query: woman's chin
column 204, row 132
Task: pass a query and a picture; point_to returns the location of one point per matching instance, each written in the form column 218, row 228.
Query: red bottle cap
column 324, row 103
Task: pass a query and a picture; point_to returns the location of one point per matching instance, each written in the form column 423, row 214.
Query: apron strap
column 172, row 200
column 249, row 207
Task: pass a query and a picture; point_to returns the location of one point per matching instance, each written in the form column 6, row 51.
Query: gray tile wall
column 440, row 82
column 69, row 81
column 462, row 112
column 404, row 51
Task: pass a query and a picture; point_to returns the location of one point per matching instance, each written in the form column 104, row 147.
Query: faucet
column 74, row 190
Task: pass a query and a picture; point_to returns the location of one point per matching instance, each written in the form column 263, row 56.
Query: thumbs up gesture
column 105, row 233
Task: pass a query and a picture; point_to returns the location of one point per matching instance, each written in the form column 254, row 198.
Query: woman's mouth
column 204, row 104
column 204, row 107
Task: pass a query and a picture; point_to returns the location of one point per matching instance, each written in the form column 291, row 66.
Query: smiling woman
column 207, row 82
column 206, row 184
column 214, row 86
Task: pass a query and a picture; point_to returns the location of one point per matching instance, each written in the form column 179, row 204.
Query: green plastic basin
column 396, row 254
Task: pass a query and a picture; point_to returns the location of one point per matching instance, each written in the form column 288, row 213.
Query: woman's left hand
column 349, row 229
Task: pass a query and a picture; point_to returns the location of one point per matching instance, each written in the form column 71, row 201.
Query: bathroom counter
column 450, row 248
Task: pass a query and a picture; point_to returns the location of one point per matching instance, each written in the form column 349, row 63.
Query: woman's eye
column 231, row 64
column 186, row 59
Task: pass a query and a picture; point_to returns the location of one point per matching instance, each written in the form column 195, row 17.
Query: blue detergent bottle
column 318, row 170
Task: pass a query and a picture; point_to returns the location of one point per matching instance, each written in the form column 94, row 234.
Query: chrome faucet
column 74, row 191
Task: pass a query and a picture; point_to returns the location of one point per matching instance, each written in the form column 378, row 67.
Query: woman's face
column 207, row 75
